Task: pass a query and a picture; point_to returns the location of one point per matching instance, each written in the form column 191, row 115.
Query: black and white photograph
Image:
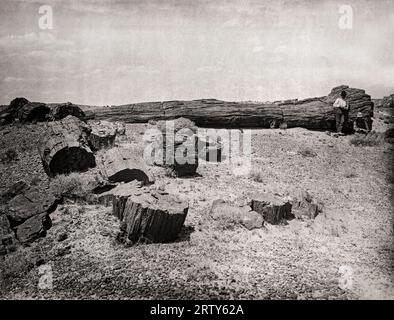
column 189, row 150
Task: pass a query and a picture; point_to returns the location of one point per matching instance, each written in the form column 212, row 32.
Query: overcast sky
column 118, row 51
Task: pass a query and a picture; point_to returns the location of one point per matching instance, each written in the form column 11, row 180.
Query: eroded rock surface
column 273, row 208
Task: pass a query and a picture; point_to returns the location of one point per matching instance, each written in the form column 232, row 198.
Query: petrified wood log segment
column 64, row 147
column 33, row 111
column 124, row 165
column 120, row 194
column 26, row 111
column 145, row 214
column 229, row 215
column 117, row 193
column 273, row 208
column 152, row 217
column 303, row 206
column 314, row 113
column 176, row 146
column 16, row 105
column 62, row 110
column 104, row 133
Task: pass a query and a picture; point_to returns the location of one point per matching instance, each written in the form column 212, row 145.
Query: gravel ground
column 300, row 260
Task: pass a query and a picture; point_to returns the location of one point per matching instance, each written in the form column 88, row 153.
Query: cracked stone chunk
column 273, row 208
column 33, row 228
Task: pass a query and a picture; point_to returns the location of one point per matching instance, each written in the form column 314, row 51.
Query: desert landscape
column 196, row 155
column 306, row 214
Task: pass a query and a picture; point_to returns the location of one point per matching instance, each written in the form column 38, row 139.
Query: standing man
column 341, row 109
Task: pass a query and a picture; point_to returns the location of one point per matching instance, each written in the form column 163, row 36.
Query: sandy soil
column 300, row 260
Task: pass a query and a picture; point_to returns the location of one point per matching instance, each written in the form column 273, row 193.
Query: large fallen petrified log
column 124, row 165
column 64, row 147
column 314, row 113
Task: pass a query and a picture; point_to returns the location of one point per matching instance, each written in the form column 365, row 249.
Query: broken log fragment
column 303, row 206
column 33, row 228
column 10, row 113
column 175, row 146
column 116, row 196
column 145, row 214
column 33, row 112
column 229, row 215
column 152, row 218
column 273, row 208
column 64, row 147
column 124, row 165
column 25, row 111
column 62, row 110
column 28, row 203
column 104, row 133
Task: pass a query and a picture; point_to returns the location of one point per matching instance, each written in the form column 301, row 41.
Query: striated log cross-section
column 64, row 148
column 314, row 113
